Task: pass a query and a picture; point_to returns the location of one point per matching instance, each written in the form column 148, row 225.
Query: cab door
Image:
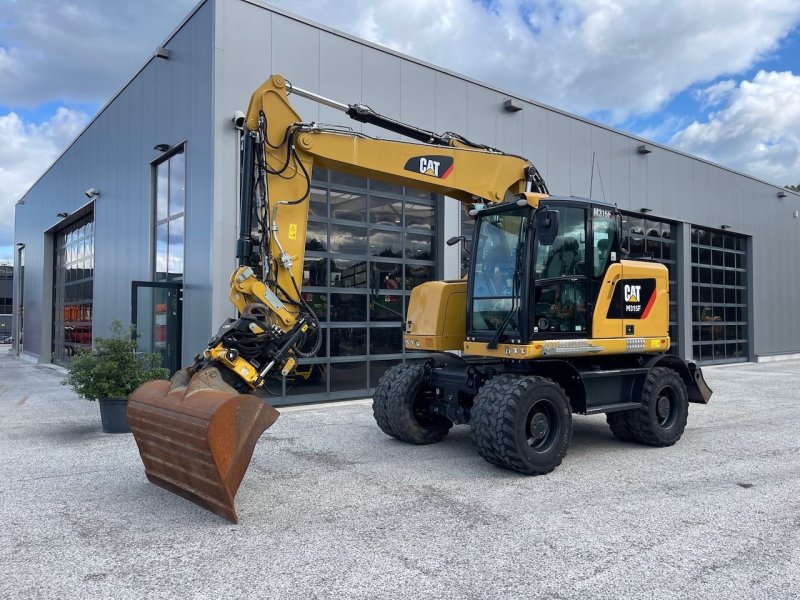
column 559, row 296
column 607, row 316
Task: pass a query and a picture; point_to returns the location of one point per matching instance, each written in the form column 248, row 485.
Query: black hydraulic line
column 365, row 114
column 244, row 245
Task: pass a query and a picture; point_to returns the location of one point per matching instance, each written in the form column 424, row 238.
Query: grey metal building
column 147, row 193
column 6, row 301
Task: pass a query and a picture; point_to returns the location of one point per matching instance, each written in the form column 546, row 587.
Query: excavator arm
column 197, row 433
column 280, row 153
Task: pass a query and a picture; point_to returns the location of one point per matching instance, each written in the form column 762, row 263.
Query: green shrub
column 113, row 369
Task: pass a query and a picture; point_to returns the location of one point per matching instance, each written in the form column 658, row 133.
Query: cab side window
column 559, row 302
column 566, row 257
column 605, row 241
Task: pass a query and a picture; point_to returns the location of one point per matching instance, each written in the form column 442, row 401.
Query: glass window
column 170, row 204
column 177, row 183
column 162, row 191
column 385, row 211
column 605, row 235
column 346, row 239
column 386, row 243
column 348, row 307
column 566, row 256
column 419, row 247
column 420, row 216
column 348, row 206
column 559, row 307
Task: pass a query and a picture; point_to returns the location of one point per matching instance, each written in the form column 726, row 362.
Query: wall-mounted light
column 238, row 120
column 724, row 226
column 781, row 194
column 162, row 52
column 92, row 193
column 645, row 210
column 62, row 215
column 161, row 147
column 511, row 105
column 643, row 149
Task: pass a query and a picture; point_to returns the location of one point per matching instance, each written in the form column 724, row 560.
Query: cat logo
column 432, row 166
column 633, row 293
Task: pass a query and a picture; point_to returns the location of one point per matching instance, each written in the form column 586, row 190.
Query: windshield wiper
column 514, row 297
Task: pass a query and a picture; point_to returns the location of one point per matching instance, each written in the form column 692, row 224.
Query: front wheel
column 401, row 407
column 522, row 423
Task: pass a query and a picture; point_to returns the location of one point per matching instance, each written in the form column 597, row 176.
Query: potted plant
column 112, row 371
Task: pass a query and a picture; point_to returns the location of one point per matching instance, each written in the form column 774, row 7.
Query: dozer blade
column 196, row 436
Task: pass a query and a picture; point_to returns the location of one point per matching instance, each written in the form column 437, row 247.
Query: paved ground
column 332, row 508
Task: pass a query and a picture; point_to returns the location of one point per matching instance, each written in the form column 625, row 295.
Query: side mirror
column 547, row 226
column 454, row 240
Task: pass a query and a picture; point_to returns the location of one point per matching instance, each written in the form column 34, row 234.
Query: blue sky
column 716, row 78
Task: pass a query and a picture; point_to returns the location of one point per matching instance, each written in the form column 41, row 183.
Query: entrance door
column 157, row 315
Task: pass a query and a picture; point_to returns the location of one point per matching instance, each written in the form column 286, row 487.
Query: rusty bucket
column 196, row 436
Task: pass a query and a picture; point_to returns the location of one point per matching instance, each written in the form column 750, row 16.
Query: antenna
column 600, row 176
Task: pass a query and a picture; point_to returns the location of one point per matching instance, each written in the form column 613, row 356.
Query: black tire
column 398, row 407
column 380, row 398
column 618, row 422
column 661, row 418
column 522, row 423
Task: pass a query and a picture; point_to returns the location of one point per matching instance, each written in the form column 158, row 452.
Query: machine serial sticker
column 292, row 231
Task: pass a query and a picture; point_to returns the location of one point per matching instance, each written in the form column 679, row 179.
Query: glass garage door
column 719, row 297
column 73, row 289
column 369, row 243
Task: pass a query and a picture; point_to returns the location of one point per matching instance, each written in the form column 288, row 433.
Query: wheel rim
column 666, row 404
column 421, row 408
column 542, row 425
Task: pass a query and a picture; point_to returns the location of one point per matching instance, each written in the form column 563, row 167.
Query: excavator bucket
column 196, row 436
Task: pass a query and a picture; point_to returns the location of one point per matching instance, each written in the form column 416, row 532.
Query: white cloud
column 623, row 57
column 26, row 150
column 78, row 51
column 757, row 130
column 715, row 94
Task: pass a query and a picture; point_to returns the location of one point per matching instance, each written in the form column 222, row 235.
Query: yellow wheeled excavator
column 553, row 318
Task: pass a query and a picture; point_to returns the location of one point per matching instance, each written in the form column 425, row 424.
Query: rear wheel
column 401, row 407
column 522, row 423
column 661, row 418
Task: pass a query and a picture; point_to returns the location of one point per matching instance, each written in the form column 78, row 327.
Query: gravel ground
column 332, row 508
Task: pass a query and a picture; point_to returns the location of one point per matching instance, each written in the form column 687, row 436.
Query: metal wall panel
column 380, row 87
column 483, row 106
column 168, row 101
column 580, row 158
column 534, row 138
column 558, row 153
column 600, row 165
column 620, row 169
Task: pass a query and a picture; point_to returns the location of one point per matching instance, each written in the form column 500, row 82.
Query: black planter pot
column 113, row 415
